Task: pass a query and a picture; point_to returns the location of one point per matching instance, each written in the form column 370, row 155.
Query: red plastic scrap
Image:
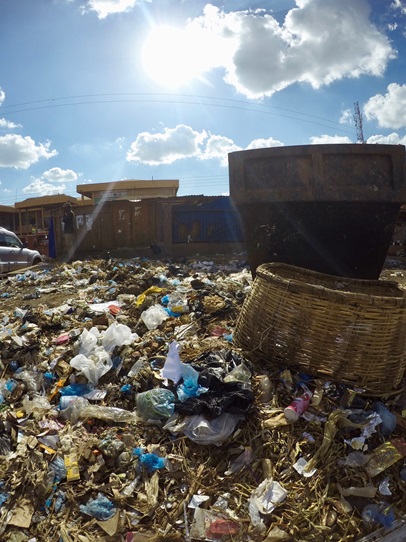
column 220, row 527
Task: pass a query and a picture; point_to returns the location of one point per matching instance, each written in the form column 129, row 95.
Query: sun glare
column 173, row 56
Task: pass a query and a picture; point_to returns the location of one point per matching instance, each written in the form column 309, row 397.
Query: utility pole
column 358, row 123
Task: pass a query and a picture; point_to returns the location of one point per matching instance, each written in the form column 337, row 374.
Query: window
column 12, row 241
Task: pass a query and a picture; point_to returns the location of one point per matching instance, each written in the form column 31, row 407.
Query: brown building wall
column 132, row 227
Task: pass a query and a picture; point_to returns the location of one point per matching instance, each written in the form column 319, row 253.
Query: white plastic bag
column 154, row 316
column 117, row 335
column 216, row 431
column 37, row 406
column 88, row 341
column 264, row 500
column 93, row 368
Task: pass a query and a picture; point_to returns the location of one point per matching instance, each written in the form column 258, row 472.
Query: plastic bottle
column 298, row 406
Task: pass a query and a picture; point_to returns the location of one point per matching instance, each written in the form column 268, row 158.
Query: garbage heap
column 127, row 414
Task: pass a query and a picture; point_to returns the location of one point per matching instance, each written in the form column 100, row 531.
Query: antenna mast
column 358, row 123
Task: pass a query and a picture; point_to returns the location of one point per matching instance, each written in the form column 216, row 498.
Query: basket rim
column 294, row 278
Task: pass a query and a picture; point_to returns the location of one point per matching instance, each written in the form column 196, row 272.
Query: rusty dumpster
column 331, row 208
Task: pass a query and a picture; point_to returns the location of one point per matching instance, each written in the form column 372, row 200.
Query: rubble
column 127, row 414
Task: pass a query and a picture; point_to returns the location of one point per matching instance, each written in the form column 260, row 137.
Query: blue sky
column 105, row 90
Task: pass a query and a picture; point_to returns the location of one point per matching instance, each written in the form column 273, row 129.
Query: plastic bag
column 37, row 406
column 378, row 514
column 241, row 373
column 74, row 408
column 189, row 386
column 100, row 508
column 76, row 390
column 242, row 461
column 58, row 466
column 172, row 370
column 203, row 431
column 33, row 380
column 264, row 500
column 154, row 316
column 389, row 421
column 88, row 341
column 117, row 335
column 93, row 368
column 155, row 404
column 150, row 461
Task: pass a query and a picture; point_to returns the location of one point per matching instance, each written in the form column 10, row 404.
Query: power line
column 264, row 107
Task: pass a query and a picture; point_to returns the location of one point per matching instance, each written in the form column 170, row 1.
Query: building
column 131, row 190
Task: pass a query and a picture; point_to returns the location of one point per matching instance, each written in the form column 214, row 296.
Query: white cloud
column 167, row 147
column 2, row 95
column 58, row 175
column 346, row 117
column 217, row 147
column 42, row 188
column 183, row 142
column 21, row 152
column 261, row 143
column 389, row 109
column 324, row 139
column 319, row 42
column 9, row 125
column 399, row 5
column 104, row 8
column 391, row 139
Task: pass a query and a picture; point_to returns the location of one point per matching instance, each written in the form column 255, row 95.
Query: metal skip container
column 330, row 208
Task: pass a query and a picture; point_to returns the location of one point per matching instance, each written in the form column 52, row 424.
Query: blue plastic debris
column 100, row 508
column 150, row 461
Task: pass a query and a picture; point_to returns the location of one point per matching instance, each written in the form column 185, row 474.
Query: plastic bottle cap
column 290, row 414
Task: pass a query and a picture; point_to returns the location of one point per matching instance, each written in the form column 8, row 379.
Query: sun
column 174, row 57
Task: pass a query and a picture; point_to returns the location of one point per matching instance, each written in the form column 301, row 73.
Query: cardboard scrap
column 22, row 514
column 110, row 526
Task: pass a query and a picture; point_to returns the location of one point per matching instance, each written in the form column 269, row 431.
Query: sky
column 96, row 91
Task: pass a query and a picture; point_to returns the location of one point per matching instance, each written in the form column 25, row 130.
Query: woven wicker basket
column 347, row 330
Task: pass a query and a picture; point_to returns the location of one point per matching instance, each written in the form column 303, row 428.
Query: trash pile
column 127, row 414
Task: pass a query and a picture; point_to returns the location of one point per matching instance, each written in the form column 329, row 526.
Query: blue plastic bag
column 77, row 390
column 150, row 461
column 189, row 386
column 100, row 508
